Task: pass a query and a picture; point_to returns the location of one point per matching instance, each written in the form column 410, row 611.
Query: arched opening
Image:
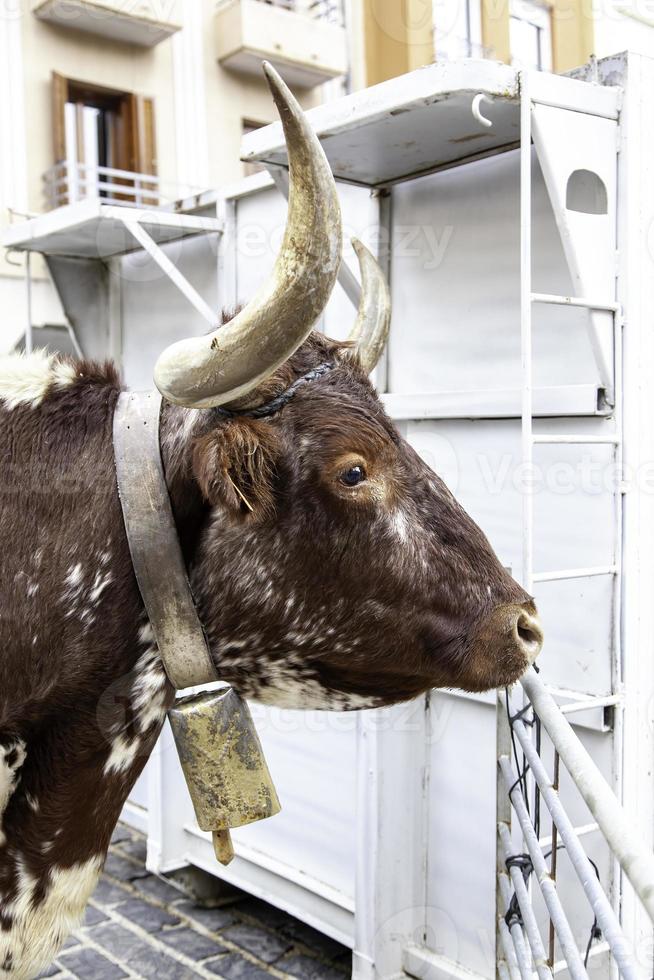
column 586, row 193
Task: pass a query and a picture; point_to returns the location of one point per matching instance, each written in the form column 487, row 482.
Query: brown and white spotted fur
column 314, row 594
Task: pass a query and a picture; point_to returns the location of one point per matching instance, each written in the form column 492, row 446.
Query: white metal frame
column 49, row 234
column 520, row 949
column 541, row 97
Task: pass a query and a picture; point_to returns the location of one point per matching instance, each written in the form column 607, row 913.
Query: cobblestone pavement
column 139, row 925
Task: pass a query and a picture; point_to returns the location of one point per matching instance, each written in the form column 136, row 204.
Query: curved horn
column 370, row 331
column 225, row 365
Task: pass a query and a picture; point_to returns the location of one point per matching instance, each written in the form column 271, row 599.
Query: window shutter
column 148, row 137
column 59, row 99
column 143, row 140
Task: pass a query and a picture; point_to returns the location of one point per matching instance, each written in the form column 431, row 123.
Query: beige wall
column 228, row 97
column 398, row 37
column 572, row 31
column 146, row 71
column 232, row 97
column 573, row 35
column 495, row 29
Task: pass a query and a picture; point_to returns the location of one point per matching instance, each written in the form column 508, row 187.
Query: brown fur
column 366, row 595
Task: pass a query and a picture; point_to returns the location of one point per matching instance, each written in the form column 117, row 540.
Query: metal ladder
column 530, row 440
column 521, row 943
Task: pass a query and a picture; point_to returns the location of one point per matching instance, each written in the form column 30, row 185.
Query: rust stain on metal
column 470, row 138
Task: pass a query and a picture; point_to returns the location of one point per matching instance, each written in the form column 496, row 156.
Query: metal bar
column 383, row 202
column 553, row 856
column 186, row 223
column 606, row 702
column 510, row 944
column 129, row 174
column 547, row 886
column 74, row 341
column 525, row 327
column 171, row 270
column 596, row 950
column 49, row 178
column 503, row 970
column 636, row 861
column 509, row 952
column 595, row 894
column 617, row 742
column 588, row 304
column 502, row 802
column 526, row 908
column 580, row 831
column 109, row 171
column 573, row 440
column 127, row 190
column 28, row 286
column 558, row 575
column 514, row 933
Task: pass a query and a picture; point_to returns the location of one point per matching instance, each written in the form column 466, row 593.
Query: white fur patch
column 73, row 581
column 121, row 756
column 289, row 684
column 149, row 703
column 149, row 693
column 100, row 583
column 400, row 525
column 82, row 597
column 25, row 379
column 9, row 775
column 39, row 929
column 295, row 692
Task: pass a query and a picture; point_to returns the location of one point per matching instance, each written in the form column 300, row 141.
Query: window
column 104, row 141
column 457, row 29
column 530, row 35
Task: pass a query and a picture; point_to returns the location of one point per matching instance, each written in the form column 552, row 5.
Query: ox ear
column 235, row 467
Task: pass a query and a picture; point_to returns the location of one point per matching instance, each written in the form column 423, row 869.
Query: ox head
column 334, row 568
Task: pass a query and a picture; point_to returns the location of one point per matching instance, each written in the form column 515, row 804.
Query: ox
column 330, row 566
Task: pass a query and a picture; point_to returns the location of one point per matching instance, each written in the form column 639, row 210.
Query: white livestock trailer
column 514, row 212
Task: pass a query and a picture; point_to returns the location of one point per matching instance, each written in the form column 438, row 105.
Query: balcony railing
column 67, row 182
column 304, row 39
column 329, row 10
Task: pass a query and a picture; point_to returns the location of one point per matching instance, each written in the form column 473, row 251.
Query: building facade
column 146, row 101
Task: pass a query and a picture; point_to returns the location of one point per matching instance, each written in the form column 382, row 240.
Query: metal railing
column 329, row 10
column 524, row 783
column 522, row 949
column 66, row 183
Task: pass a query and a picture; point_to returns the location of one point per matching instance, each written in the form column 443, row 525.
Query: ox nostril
column 529, row 634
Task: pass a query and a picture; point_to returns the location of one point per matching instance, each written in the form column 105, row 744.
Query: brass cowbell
column 223, row 764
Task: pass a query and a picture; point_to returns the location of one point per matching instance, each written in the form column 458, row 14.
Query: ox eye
column 353, row 476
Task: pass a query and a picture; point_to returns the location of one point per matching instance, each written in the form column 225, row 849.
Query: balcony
column 67, row 183
column 304, row 39
column 141, row 22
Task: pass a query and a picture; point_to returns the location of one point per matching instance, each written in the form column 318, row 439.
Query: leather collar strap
column 153, row 542
column 277, row 403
